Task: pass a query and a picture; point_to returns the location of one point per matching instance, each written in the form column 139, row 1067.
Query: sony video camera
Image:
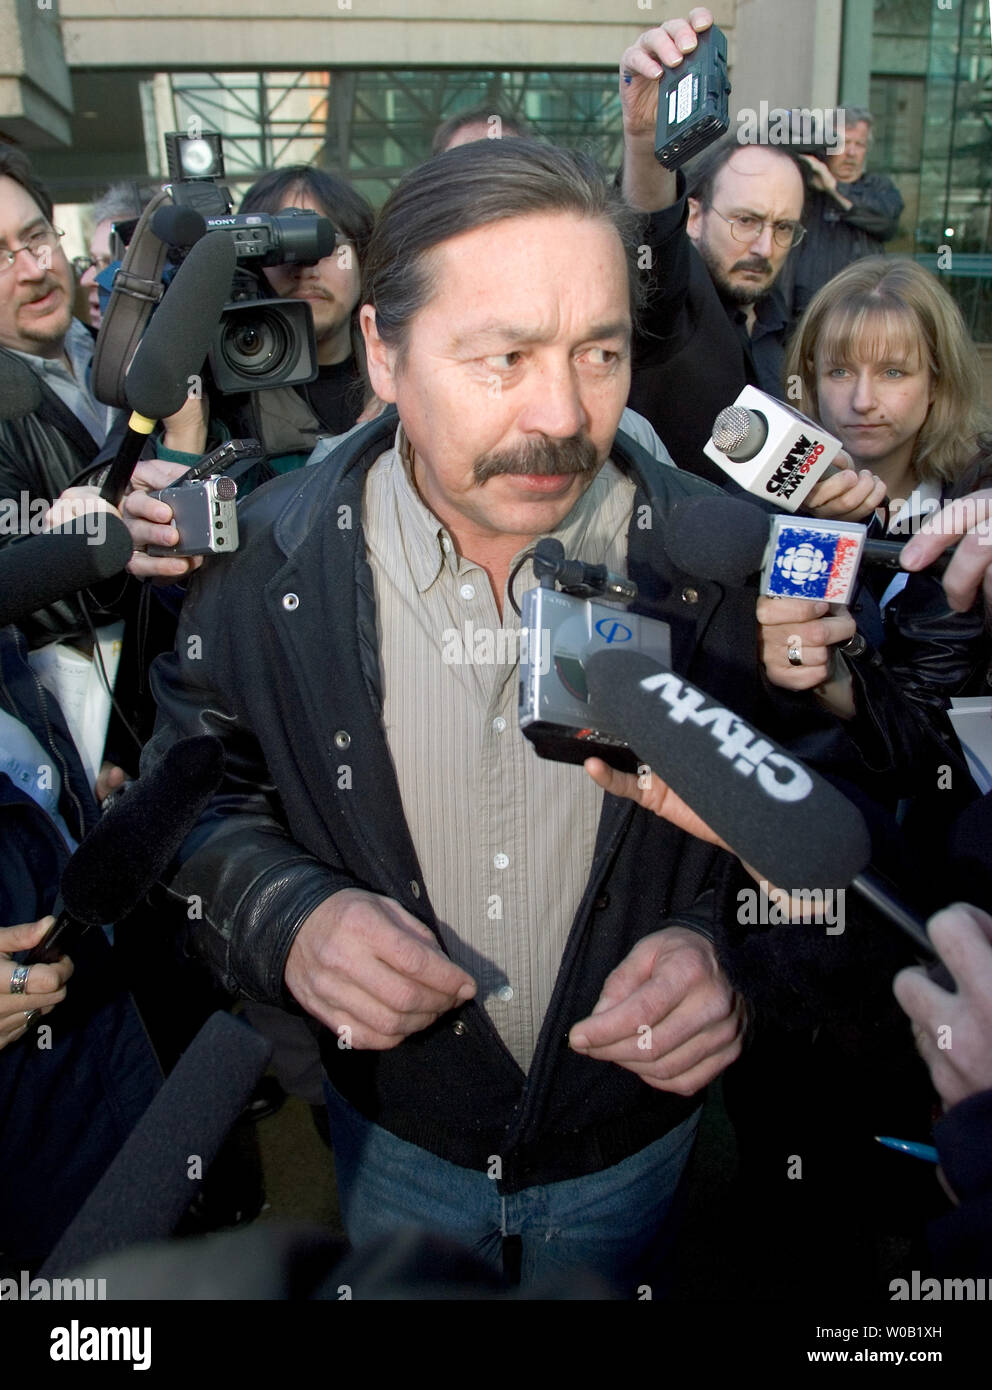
column 261, row 341
column 561, row 627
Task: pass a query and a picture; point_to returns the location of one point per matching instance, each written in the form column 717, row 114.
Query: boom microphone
column 133, row 843
column 172, row 350
column 37, row 570
column 178, row 226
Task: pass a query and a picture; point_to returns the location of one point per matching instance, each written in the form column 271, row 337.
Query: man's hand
column 803, row 626
column 847, row 495
column 371, row 972
column 108, row 779
column 654, row 795
column 45, row 984
column 149, row 522
column 646, row 185
column 73, row 503
column 971, row 563
column 186, row 431
column 820, row 175
column 666, row 1013
column 954, row 1031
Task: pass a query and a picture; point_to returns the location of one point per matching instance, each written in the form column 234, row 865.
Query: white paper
column 77, row 683
column 971, row 720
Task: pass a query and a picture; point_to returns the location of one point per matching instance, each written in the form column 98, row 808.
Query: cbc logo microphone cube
column 812, row 559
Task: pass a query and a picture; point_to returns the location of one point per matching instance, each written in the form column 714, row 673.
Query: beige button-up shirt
column 505, row 839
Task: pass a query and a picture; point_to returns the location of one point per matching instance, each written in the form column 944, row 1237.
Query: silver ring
column 30, row 1015
column 795, row 659
column 19, row 979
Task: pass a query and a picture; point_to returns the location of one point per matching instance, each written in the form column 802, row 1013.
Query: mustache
column 543, row 457
column 754, row 263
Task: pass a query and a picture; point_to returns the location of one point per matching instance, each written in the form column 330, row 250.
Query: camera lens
column 256, row 344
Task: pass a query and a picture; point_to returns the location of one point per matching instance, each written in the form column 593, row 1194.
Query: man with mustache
column 717, row 239
column 522, row 984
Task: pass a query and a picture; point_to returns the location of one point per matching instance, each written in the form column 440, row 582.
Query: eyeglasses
column 39, row 244
column 81, row 264
column 747, row 228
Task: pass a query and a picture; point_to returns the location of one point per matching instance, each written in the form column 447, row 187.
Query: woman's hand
column 27, row 989
column 846, row 495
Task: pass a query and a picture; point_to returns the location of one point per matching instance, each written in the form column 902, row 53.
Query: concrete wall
column 221, row 34
column 788, row 55
column 35, row 95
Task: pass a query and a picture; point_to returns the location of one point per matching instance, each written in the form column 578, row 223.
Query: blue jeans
column 619, row 1223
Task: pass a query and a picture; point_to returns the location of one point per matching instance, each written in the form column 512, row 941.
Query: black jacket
column 277, row 655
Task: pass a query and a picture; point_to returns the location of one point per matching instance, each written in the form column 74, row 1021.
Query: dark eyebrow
column 512, row 333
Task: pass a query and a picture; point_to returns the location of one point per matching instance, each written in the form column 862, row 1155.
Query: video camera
column 560, row 629
column 261, row 342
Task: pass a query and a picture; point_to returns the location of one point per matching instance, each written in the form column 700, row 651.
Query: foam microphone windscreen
column 176, row 342
column 148, row 1186
column 792, row 826
column 38, row 570
column 178, row 226
column 719, row 538
column 21, row 394
column 133, row 843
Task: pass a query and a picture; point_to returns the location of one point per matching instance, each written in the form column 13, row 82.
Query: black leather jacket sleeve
column 249, row 884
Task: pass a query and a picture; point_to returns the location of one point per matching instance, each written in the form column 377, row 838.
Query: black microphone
column 775, row 813
column 783, row 819
column 21, row 390
column 178, row 226
column 147, row 1188
column 172, row 349
column 133, row 843
column 37, row 570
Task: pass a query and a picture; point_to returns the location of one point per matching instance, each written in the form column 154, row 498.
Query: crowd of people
column 510, row 980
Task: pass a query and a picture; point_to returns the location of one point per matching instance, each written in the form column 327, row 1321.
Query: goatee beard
column 546, row 458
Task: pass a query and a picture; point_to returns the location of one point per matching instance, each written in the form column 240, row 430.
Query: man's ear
column 381, row 359
column 693, row 225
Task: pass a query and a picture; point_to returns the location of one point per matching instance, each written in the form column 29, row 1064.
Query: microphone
column 727, row 540
column 37, row 570
column 775, row 813
column 199, row 1102
column 21, row 390
column 178, row 226
column 133, row 843
column 172, row 349
column 769, row 449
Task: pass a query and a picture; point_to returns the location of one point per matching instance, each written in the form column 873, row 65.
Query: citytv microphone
column 173, row 349
column 133, row 843
column 799, row 832
column 770, row 450
column 38, row 570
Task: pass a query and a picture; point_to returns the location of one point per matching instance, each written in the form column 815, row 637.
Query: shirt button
column 467, row 591
column 689, row 594
column 499, row 723
column 459, row 1029
column 445, row 544
column 501, row 860
column 505, row 993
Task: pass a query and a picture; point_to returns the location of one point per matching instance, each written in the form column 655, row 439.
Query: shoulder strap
column 137, row 289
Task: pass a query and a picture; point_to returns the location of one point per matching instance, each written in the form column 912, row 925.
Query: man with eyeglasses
column 715, row 243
